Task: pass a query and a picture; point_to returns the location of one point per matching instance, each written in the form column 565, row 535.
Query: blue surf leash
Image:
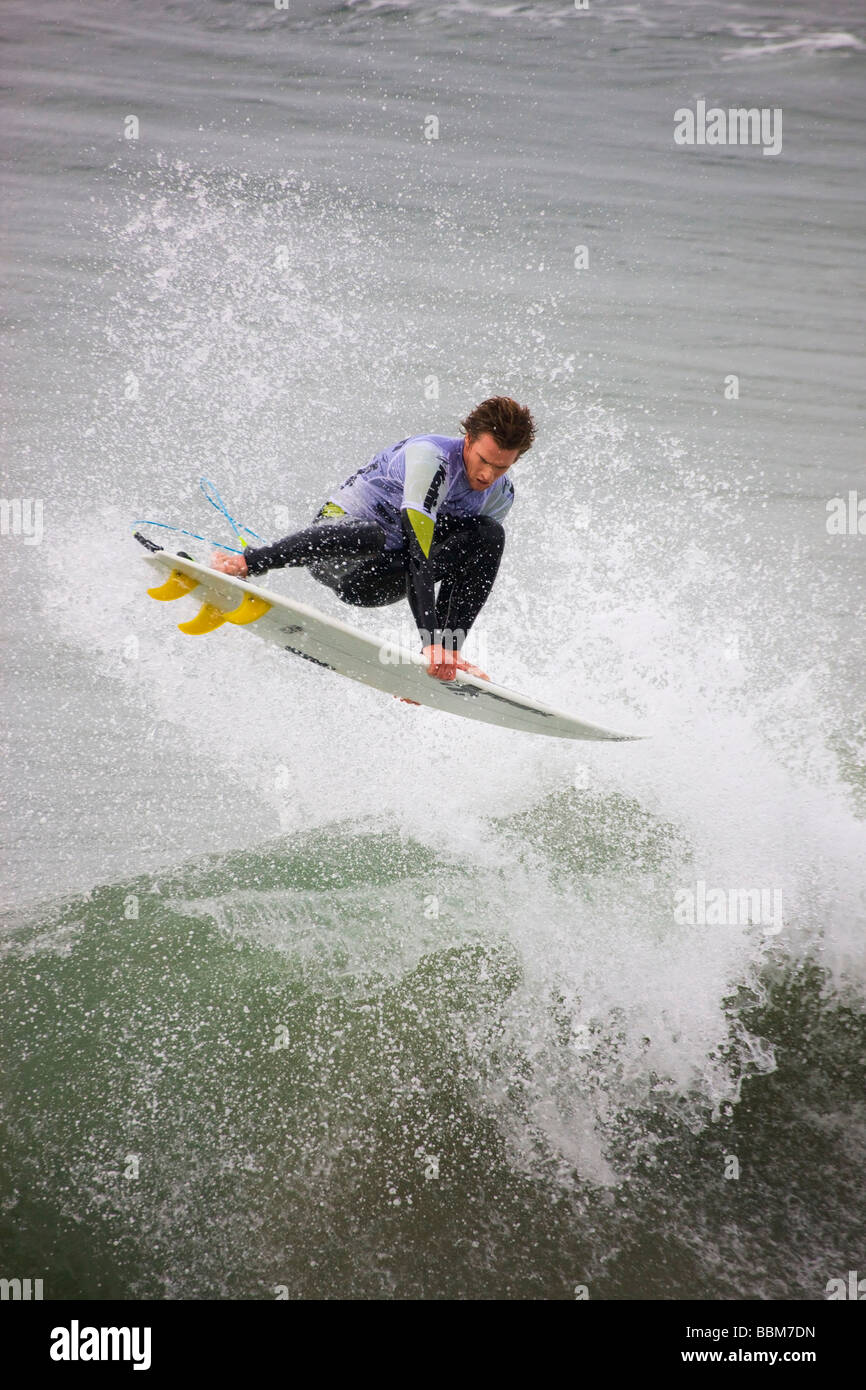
column 212, row 495
column 217, row 502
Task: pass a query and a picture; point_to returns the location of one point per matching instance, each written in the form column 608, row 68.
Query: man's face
column 484, row 461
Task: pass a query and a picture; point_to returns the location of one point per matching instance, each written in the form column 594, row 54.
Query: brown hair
column 511, row 424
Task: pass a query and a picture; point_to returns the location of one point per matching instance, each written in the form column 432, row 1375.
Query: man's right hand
column 228, row 564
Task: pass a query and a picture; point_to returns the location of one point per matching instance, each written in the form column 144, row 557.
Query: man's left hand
column 443, row 663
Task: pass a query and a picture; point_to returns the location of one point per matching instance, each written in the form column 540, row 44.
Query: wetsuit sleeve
column 262, row 558
column 423, row 488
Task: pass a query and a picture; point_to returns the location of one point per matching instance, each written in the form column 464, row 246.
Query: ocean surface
column 308, row 993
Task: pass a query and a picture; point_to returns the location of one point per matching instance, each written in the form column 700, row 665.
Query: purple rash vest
column 426, row 475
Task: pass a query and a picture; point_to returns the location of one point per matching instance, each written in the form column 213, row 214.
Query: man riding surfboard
column 426, row 510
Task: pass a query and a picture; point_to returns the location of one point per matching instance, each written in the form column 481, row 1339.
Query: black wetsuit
column 348, row 555
column 405, row 522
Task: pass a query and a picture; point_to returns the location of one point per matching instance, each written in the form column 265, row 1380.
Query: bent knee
column 371, row 535
column 491, row 532
column 347, row 594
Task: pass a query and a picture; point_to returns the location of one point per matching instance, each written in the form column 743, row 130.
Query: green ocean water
column 194, row 1110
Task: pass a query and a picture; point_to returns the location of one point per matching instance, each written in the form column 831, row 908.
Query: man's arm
column 255, row 560
column 423, row 490
column 424, row 485
column 419, row 589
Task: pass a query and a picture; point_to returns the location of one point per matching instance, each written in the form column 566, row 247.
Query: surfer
column 427, row 510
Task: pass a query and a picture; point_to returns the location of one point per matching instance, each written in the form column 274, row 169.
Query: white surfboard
column 219, row 602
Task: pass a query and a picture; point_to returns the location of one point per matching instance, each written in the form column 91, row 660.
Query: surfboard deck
column 220, row 602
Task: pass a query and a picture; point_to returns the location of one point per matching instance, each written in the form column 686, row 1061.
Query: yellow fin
column 175, row 586
column 249, row 608
column 206, row 619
